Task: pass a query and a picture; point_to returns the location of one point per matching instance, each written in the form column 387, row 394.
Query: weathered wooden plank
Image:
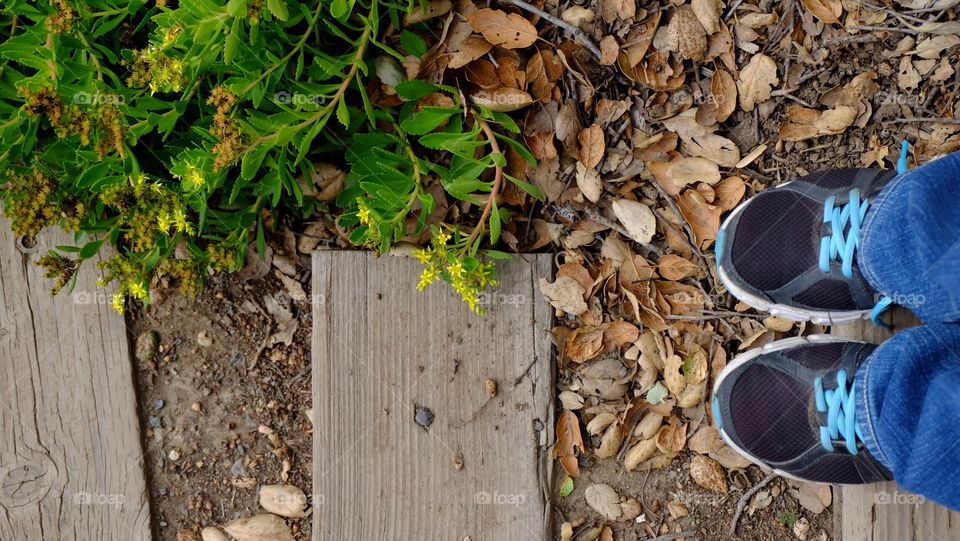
column 884, row 511
column 381, row 349
column 70, row 448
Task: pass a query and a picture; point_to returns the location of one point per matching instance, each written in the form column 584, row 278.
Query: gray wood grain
column 884, row 511
column 70, row 448
column 381, row 349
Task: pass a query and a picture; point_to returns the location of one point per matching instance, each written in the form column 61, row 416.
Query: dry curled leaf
column 264, row 527
column 432, row 9
column 502, row 100
column 588, row 180
column 564, row 294
column 828, row 11
column 639, row 453
column 805, row 123
column 569, row 442
column 609, row 49
column 603, row 499
column 708, row 13
column 708, row 473
column 592, row 145
column 689, row 170
column 472, row 48
column 637, row 218
column 704, row 218
column 584, row 343
column 686, row 35
column 283, row 500
column 508, row 30
column 756, row 81
column 611, row 10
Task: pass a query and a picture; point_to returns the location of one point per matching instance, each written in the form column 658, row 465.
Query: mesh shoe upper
column 766, row 407
column 769, row 248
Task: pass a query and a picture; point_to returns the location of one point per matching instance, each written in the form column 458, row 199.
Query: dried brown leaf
column 564, row 294
column 592, row 145
column 828, row 11
column 584, row 343
column 569, row 442
column 510, row 31
column 263, row 527
column 704, row 218
column 674, row 267
column 503, row 99
column 609, row 49
column 709, row 474
column 472, row 48
column 756, row 81
column 708, row 13
column 686, row 35
column 637, row 218
column 603, row 499
column 588, row 180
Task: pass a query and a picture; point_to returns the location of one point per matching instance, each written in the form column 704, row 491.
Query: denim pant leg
column 908, row 409
column 911, row 240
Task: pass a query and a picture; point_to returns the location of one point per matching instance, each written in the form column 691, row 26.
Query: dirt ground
column 206, row 400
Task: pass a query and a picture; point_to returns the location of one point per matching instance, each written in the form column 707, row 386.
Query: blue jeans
column 908, row 389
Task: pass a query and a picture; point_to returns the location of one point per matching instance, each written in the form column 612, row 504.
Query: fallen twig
column 924, row 119
column 746, row 498
column 576, row 32
column 678, row 535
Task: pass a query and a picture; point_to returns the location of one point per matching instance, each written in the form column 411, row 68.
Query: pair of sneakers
column 792, row 251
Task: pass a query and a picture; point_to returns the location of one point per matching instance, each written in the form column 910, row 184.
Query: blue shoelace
column 840, row 406
column 845, row 221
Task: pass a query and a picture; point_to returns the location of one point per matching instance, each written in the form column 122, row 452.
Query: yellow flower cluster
column 153, row 69
column 368, row 217
column 129, row 278
column 440, row 261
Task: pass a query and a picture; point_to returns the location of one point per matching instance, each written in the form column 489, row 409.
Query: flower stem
column 497, row 180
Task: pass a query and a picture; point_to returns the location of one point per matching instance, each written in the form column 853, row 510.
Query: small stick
column 745, row 498
column 887, row 29
column 669, row 536
column 926, row 119
column 577, row 33
column 851, row 39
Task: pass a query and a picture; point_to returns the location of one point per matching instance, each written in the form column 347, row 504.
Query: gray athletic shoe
column 790, row 406
column 791, row 250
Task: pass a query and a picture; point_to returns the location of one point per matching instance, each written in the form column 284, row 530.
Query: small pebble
column 174, row 455
column 491, row 385
column 423, row 416
column 204, row 340
column 238, row 469
column 147, row 346
column 155, row 421
column 158, row 405
column 197, row 406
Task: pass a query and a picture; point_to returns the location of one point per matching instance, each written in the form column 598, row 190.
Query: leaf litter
column 649, row 121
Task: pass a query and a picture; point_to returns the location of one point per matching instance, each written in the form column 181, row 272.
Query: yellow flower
column 164, row 222
column 138, row 290
column 180, row 221
column 427, row 277
column 456, row 271
column 364, row 215
column 441, row 238
column 423, row 255
column 194, row 177
column 118, row 302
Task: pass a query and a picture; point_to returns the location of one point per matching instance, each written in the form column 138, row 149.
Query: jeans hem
column 870, row 440
column 882, row 199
